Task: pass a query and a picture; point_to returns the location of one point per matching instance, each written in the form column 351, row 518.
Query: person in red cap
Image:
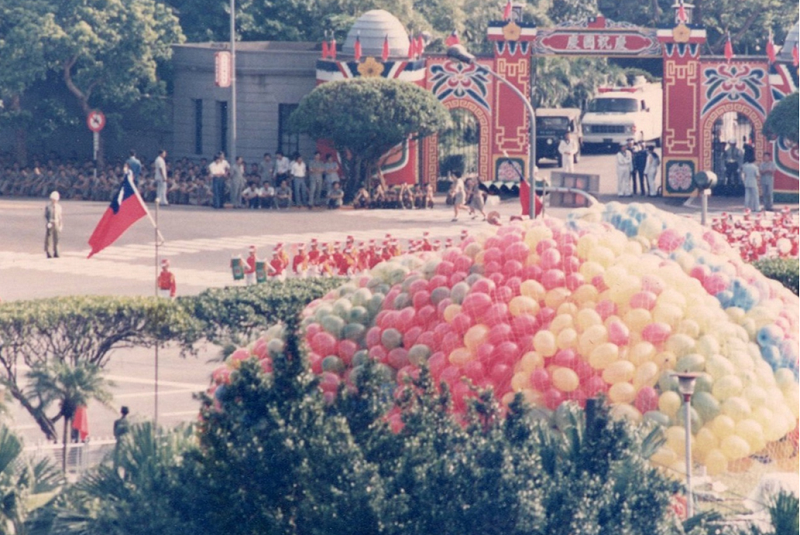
column 276, row 265
column 282, row 255
column 300, row 261
column 250, row 267
column 166, row 281
column 426, row 244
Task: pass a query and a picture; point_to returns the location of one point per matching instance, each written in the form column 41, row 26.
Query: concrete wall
column 268, row 74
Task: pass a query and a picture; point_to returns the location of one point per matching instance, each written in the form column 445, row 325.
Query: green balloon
column 706, row 405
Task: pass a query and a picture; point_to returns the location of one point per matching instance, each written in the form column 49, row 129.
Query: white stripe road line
column 149, row 393
column 133, row 380
column 179, row 413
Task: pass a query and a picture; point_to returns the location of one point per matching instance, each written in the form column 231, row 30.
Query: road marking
column 149, row 393
column 133, row 380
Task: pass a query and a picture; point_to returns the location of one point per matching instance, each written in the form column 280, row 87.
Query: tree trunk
column 44, row 423
column 353, row 182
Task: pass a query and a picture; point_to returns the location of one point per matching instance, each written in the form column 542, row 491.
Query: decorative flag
column 681, row 13
column 452, row 39
column 728, row 48
column 385, row 51
column 324, row 49
column 332, row 48
column 80, row 422
column 771, row 49
column 420, row 45
column 357, row 48
column 411, row 47
column 525, row 199
column 127, row 207
column 507, row 11
column 795, row 58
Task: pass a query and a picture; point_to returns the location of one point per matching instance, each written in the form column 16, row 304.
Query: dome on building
column 785, row 55
column 373, row 27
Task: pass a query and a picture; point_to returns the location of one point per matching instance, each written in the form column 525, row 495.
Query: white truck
column 618, row 114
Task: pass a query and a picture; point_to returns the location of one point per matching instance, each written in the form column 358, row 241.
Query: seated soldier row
column 403, row 197
column 257, row 196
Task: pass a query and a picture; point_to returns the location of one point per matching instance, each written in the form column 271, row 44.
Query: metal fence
column 81, row 456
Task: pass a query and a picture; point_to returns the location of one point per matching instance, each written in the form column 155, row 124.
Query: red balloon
column 505, row 352
column 540, row 379
column 545, row 244
column 461, row 323
column 545, row 316
column 606, row 308
column 513, row 284
column 476, row 303
column 427, row 338
column 397, row 358
column 462, row 263
column 512, row 268
column 566, row 358
column 525, row 343
column 646, row 399
column 457, row 277
column 407, row 373
column 311, row 330
column 550, row 259
column 594, row 386
column 410, row 337
column 316, row 363
column 388, row 302
column 499, row 333
column 450, row 342
column 474, row 371
column 426, row 314
column 577, row 395
column 501, row 375
column 450, row 375
column 497, row 313
column 518, row 251
column 266, row 365
column 533, row 272
column 483, row 286
column 503, row 294
column 329, row 382
column 421, row 299
column 524, row 324
column 441, row 330
column 378, row 353
column 553, row 278
column 347, row 348
column 584, row 370
column 574, row 281
column 460, row 392
column 405, row 319
column 553, row 398
column 492, row 254
column 445, row 268
column 323, row 343
column 437, row 281
column 484, row 352
column 436, row 364
column 417, row 286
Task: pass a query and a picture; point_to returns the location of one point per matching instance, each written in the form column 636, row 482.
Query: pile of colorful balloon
column 760, row 235
column 613, row 300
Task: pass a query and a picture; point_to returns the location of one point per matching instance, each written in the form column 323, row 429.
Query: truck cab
column 551, row 126
column 618, row 114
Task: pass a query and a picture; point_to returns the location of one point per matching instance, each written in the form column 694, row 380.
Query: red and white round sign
column 96, row 120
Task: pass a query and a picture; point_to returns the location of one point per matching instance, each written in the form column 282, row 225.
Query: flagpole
column 158, row 317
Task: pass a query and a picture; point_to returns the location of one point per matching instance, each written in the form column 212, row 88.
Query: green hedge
column 783, row 270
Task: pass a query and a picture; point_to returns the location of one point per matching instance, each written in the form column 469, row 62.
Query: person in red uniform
column 300, row 261
column 283, row 255
column 426, row 244
column 250, row 267
column 166, row 281
column 276, row 265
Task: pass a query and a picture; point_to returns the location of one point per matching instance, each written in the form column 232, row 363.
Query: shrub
column 783, row 270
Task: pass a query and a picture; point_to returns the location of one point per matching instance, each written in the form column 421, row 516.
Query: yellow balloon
column 752, row 432
column 533, row 289
column 704, row 441
column 602, row 255
column 670, row 314
column 555, row 297
column 664, row 456
column 734, row 447
column 676, row 439
column 669, row 402
column 707, row 345
column 723, row 426
column 641, row 352
column 567, row 338
column 590, row 270
column 637, row 319
column 727, row 387
column 646, row 375
column 586, row 243
column 619, row 371
column 742, row 361
column 560, row 322
column 536, row 234
column 624, row 411
column 508, row 398
column 520, row 381
column 565, row 379
column 521, row 304
column 671, row 296
column 544, row 342
column 737, row 408
column 475, row 337
column 622, row 393
column 665, row 360
column 680, row 345
column 755, row 395
column 716, row 462
column 532, row 259
column 451, row 311
column 529, row 362
column 472, row 250
column 533, row 397
column 460, row 356
column 587, row 318
column 585, row 293
column 603, row 355
column 792, row 396
column 784, row 378
column 567, row 307
column 718, row 367
column 591, row 338
column 689, row 327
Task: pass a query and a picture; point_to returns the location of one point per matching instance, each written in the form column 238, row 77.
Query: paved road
column 199, row 243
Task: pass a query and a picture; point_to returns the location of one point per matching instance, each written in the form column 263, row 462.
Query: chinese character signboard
column 598, row 36
column 222, row 69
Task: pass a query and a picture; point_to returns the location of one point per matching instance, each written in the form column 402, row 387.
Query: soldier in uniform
column 55, row 223
column 250, row 267
column 276, row 265
column 300, row 262
column 166, row 281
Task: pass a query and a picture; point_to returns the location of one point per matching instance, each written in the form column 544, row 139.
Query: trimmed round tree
column 782, row 120
column 365, row 119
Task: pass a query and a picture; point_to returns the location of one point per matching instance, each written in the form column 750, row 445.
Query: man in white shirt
column 250, row 195
column 282, row 168
column 219, row 170
column 298, row 171
column 567, row 148
column 161, row 177
column 651, row 170
column 624, row 184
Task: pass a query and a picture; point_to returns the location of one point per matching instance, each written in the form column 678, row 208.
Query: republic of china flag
column 127, row 207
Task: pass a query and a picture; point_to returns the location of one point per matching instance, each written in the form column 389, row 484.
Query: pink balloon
column 503, row 294
column 524, row 325
column 450, row 342
column 461, row 323
column 396, row 423
column 388, row 303
column 646, row 300
column 553, row 278
column 266, row 365
column 493, row 254
column 716, row 283
column 407, row 373
column 450, row 375
column 652, row 283
column 584, row 370
column 441, row 331
column 421, row 298
column 492, row 267
column 311, row 330
column 260, row 349
column 436, row 364
column 457, row 277
column 411, row 336
column 646, row 399
column 525, row 342
column 550, row 259
column 406, row 318
column 497, row 313
column 545, row 316
column 377, row 353
column 417, row 286
column 700, row 272
column 501, row 375
column 329, row 382
column 505, row 352
column 577, row 395
column 476, row 304
column 540, row 380
column 512, row 268
column 426, row 314
column 606, row 308
column 445, row 268
column 533, row 272
column 517, row 251
column 656, row 333
column 323, row 343
column 553, row 398
column 599, row 283
column 571, row 264
column 574, row 281
column 545, row 244
column 566, row 358
column 462, row 263
column 437, row 281
column 497, row 278
column 347, row 348
column 474, row 371
column 669, row 240
column 440, row 308
column 397, row 358
column 618, row 333
column 513, row 284
column 484, row 352
column 499, row 333
column 427, row 338
column 461, row 392
column 594, row 386
column 493, row 242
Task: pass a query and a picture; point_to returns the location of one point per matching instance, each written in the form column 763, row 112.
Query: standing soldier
column 161, row 177
column 276, row 265
column 300, row 261
column 567, row 149
column 250, row 267
column 55, row 223
column 166, row 281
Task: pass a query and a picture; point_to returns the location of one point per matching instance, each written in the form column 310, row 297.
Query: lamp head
column 686, row 381
column 460, row 53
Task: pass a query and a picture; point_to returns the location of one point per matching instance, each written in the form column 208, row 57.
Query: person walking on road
column 459, row 196
column 767, row 171
column 161, row 177
column 55, row 223
column 567, row 148
column 136, row 167
column 624, row 183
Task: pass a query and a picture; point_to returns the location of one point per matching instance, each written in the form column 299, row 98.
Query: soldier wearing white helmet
column 55, row 224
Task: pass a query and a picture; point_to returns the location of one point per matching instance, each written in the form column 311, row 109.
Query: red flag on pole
column 332, row 48
column 420, row 45
column 412, row 49
column 80, row 422
column 795, row 58
column 324, row 49
column 771, row 49
column 728, row 48
column 127, row 207
column 525, row 199
column 682, row 13
column 357, row 48
column 452, row 39
column 507, row 11
column 385, row 51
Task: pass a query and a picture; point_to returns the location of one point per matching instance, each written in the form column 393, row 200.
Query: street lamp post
column 460, row 53
column 233, row 85
column 686, row 388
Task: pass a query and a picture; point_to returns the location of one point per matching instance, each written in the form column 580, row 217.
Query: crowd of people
column 637, row 168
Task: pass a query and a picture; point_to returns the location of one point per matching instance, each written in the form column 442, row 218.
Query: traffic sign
column 222, row 69
column 96, row 121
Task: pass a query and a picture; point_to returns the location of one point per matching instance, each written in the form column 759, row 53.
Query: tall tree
column 365, row 118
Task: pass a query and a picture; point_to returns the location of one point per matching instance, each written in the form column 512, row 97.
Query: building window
column 198, row 125
column 288, row 143
column 222, row 121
